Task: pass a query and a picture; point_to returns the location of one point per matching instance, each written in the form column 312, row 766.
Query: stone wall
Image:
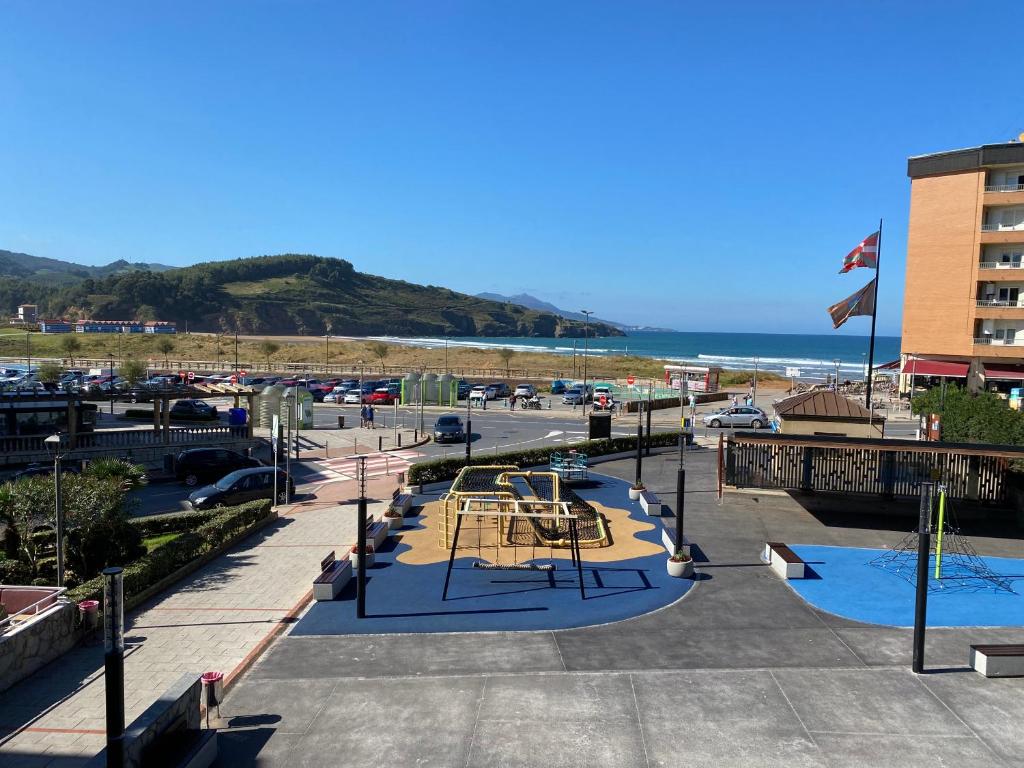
column 38, row 642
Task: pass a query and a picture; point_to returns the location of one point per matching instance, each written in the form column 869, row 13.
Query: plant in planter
column 353, row 555
column 394, row 518
column 635, row 490
column 680, row 565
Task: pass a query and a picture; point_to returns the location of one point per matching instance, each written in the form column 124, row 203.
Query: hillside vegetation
column 287, row 294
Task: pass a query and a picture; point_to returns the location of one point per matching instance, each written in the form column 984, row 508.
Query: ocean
column 813, row 354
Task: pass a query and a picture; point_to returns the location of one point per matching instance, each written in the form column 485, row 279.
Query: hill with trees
column 286, row 294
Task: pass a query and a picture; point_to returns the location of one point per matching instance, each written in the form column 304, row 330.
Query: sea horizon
column 813, row 354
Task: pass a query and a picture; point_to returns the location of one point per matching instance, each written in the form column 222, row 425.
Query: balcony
column 1000, row 265
column 1000, row 303
column 989, row 341
column 1004, row 187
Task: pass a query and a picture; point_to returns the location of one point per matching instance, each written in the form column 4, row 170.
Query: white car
column 336, row 395
column 353, row 397
column 525, row 390
column 481, row 392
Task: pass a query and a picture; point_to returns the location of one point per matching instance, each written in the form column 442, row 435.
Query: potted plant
column 394, row 518
column 353, row 555
column 680, row 565
column 635, row 490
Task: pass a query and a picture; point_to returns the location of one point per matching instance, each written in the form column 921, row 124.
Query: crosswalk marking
column 346, row 468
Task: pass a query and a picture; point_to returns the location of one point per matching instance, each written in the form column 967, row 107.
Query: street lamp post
column 236, row 350
column 327, row 355
column 837, row 363
column 28, row 355
column 110, row 383
column 586, row 347
column 53, row 446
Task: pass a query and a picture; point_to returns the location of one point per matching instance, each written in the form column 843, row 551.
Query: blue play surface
column 402, row 597
column 843, row 583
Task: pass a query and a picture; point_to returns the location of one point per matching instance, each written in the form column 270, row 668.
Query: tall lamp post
column 327, row 354
column 110, row 383
column 586, row 347
column 53, row 447
column 236, row 349
column 28, row 355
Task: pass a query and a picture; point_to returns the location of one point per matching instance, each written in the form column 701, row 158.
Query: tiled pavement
column 211, row 620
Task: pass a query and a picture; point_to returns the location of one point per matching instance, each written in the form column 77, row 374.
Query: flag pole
column 874, row 316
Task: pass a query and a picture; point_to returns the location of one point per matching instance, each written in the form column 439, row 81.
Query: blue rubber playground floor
column 843, row 582
column 403, row 597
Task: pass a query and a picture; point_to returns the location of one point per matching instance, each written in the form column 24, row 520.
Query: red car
column 383, row 396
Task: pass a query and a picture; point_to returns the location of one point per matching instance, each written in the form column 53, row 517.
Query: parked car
column 336, row 395
column 41, row 470
column 448, row 428
column 462, row 389
column 203, row 465
column 241, row 486
column 348, row 384
column 383, row 396
column 183, row 409
column 526, row 390
column 740, row 416
column 602, row 390
column 481, row 392
column 574, row 395
column 501, row 389
column 353, row 397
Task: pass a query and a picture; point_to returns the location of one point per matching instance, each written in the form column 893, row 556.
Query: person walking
column 362, row 416
column 512, row 402
column 369, row 416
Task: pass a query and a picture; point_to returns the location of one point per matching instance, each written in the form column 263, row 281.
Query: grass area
column 154, row 542
column 219, row 350
column 271, row 285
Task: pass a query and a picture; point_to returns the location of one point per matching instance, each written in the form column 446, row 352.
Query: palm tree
column 268, row 349
column 70, row 345
column 127, row 474
column 380, row 350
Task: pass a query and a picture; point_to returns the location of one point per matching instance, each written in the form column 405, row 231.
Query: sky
column 700, row 166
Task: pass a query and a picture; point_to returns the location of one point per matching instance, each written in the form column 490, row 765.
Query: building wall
column 849, row 429
column 943, row 246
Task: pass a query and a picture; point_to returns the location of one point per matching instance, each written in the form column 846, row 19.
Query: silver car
column 738, row 416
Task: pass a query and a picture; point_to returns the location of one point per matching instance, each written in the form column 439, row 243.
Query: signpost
column 794, row 374
column 191, row 375
column 631, row 380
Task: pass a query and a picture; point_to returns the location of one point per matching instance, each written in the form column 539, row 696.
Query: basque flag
column 864, row 255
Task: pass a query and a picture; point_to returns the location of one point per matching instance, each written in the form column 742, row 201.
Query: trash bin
column 237, row 417
column 341, row 422
column 600, row 426
column 90, row 612
column 213, row 692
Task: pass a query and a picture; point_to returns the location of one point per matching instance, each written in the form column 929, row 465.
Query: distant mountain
column 532, row 302
column 26, row 267
column 286, row 294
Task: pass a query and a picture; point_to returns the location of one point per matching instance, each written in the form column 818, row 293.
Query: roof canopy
column 824, row 404
column 1003, row 371
column 952, row 368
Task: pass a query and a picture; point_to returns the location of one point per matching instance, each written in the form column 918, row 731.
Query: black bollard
column 361, row 549
column 639, row 452
column 113, row 664
column 924, row 548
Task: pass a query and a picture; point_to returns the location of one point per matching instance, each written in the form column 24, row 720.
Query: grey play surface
column 739, row 672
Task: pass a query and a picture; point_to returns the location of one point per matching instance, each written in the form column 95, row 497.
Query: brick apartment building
column 963, row 311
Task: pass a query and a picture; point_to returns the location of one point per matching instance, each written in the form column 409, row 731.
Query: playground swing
column 515, row 565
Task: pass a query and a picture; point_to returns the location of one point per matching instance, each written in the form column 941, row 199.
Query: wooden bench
column 401, row 501
column 652, row 504
column 998, row 660
column 783, row 560
column 334, row 575
column 376, row 533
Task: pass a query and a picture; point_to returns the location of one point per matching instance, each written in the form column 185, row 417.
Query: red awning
column 998, row 371
column 935, row 368
column 892, row 365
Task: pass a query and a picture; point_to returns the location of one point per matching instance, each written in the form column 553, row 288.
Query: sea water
column 813, row 354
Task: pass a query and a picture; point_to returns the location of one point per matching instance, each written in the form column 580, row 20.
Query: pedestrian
column 369, row 416
column 735, row 401
column 362, row 416
column 512, row 402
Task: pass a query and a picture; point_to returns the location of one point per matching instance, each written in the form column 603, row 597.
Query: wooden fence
column 888, row 468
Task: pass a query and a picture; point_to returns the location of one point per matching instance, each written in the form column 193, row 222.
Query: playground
column 506, row 549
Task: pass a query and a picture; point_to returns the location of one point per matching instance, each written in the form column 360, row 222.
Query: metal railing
column 1004, row 187
column 1001, row 303
column 1017, row 227
column 988, row 340
column 127, row 438
column 1000, row 265
column 34, row 608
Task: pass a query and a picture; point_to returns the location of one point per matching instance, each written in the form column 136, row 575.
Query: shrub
column 163, row 561
column 173, row 522
column 446, row 469
column 14, row 572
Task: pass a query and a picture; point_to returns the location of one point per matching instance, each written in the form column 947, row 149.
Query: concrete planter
column 680, row 570
column 634, row 493
column 393, row 522
column 354, row 558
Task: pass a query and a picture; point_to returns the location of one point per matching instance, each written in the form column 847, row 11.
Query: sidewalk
column 219, row 618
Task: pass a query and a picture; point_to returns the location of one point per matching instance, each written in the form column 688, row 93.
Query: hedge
column 173, row 522
column 165, row 560
column 447, row 469
column 143, row 413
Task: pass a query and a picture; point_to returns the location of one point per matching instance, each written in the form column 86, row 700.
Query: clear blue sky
column 704, row 167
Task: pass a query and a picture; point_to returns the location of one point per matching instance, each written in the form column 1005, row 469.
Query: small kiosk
column 698, row 378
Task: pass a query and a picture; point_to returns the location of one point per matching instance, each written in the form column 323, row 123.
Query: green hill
column 22, row 265
column 287, row 294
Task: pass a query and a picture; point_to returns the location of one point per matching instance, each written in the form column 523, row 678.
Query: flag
column 860, row 303
column 864, row 255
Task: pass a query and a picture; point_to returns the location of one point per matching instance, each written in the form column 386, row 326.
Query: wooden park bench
column 401, row 501
column 334, row 575
column 783, row 560
column 376, row 533
column 998, row 660
column 651, row 503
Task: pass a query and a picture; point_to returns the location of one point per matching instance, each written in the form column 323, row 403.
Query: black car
column 203, row 465
column 501, row 389
column 463, row 389
column 194, row 409
column 41, row 470
column 241, row 486
column 449, row 428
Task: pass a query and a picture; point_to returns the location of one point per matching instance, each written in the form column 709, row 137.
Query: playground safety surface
column 740, row 672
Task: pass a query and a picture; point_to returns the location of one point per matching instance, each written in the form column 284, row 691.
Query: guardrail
column 1000, row 303
column 33, row 608
column 126, row 438
column 1000, row 265
column 988, row 340
column 1004, row 187
column 1018, row 227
